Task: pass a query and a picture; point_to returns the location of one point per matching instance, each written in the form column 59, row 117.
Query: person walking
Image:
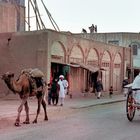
column 61, row 90
column 99, row 88
column 54, row 92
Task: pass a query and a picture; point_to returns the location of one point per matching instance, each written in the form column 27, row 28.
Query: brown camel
column 22, row 87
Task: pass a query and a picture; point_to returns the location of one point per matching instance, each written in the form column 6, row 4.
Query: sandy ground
column 54, row 113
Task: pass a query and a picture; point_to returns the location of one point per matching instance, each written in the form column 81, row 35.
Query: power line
column 39, row 21
column 51, row 18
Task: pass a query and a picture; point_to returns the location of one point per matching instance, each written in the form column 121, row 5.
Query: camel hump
column 36, row 73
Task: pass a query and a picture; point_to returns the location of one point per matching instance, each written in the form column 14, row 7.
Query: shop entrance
column 59, row 69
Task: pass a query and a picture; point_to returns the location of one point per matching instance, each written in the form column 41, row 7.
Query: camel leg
column 45, row 111
column 17, row 122
column 27, row 113
column 38, row 109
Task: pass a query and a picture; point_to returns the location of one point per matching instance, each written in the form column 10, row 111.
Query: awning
column 74, row 65
column 71, row 65
column 61, row 63
column 86, row 67
column 90, row 68
column 81, row 65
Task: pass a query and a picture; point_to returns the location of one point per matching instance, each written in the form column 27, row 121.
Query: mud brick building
column 80, row 60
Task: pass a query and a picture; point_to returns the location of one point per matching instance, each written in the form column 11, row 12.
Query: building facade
column 131, row 40
column 12, row 15
column 81, row 61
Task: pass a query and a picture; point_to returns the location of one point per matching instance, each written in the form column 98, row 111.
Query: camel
column 23, row 88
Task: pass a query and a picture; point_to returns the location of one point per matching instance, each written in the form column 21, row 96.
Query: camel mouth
column 1, row 76
column 7, row 78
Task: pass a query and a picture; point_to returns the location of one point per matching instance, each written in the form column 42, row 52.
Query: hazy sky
column 108, row 15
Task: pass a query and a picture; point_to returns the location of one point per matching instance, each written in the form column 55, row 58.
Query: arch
column 106, row 56
column 135, row 43
column 117, row 58
column 105, row 64
column 58, row 52
column 76, row 54
column 76, row 74
column 92, row 57
column 117, row 71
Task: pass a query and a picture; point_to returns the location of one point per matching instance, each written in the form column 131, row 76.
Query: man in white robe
column 61, row 90
column 65, row 84
column 136, row 88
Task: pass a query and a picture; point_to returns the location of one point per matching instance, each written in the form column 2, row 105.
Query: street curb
column 97, row 104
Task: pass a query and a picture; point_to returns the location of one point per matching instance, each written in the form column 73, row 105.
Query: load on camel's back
column 36, row 80
column 29, row 83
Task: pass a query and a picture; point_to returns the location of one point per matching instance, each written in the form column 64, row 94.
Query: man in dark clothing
column 49, row 94
column 124, row 83
column 54, row 92
column 99, row 88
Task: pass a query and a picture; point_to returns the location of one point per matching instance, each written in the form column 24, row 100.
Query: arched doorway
column 76, row 73
column 106, row 73
column 117, row 72
column 91, row 77
column 58, row 54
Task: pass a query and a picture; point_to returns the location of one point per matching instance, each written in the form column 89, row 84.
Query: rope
column 35, row 14
column 50, row 17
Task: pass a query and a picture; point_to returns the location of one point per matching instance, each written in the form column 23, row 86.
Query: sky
column 108, row 15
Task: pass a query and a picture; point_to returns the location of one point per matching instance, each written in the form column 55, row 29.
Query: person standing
column 61, row 90
column 49, row 94
column 99, row 88
column 110, row 92
column 124, row 83
column 65, row 84
column 54, row 92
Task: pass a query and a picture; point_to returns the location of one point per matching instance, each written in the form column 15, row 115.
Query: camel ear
column 11, row 75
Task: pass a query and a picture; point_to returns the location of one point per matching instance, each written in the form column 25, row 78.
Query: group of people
column 135, row 88
column 57, row 91
column 99, row 88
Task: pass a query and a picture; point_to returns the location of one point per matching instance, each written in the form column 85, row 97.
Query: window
column 135, row 49
column 114, row 42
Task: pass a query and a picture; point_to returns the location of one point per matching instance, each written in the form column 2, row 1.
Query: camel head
column 7, row 79
column 7, row 76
